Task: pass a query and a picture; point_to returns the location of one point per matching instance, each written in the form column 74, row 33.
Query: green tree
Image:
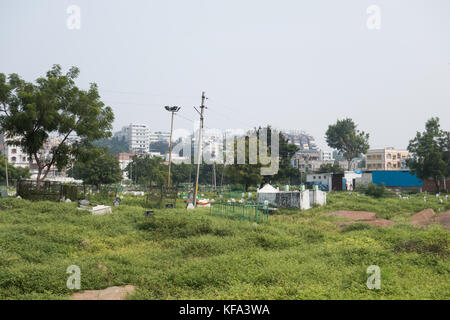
column 52, row 107
column 146, row 170
column 101, row 167
column 286, row 172
column 430, row 153
column 14, row 173
column 245, row 174
column 330, row 168
column 345, row 138
column 182, row 173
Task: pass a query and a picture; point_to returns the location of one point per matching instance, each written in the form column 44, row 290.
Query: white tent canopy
column 268, row 189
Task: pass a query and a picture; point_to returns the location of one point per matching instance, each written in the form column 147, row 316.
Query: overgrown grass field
column 180, row 254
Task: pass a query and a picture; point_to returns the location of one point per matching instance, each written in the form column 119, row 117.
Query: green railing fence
column 246, row 211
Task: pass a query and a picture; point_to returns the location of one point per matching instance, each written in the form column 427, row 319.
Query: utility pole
column 172, row 110
column 6, row 160
column 214, row 175
column 199, row 148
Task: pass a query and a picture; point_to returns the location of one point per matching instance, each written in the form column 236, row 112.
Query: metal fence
column 247, row 211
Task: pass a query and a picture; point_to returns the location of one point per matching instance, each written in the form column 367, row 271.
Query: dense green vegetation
column 192, row 255
column 54, row 107
column 431, row 153
column 102, row 167
column 14, row 173
column 114, row 145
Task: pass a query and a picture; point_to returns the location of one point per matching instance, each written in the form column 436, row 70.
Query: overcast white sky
column 293, row 64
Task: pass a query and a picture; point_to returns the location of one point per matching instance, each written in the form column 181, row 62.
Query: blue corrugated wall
column 396, row 179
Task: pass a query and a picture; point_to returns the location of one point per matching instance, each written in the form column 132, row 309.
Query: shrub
column 438, row 246
column 376, row 191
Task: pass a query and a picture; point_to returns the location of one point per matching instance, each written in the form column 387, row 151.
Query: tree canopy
column 430, row 153
column 53, row 107
column 101, row 167
column 346, row 139
column 147, row 170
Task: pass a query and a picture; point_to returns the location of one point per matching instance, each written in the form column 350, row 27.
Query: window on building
column 14, row 151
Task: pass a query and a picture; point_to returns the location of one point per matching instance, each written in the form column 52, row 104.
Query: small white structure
column 97, row 210
column 268, row 193
column 135, row 193
column 350, row 180
column 321, row 178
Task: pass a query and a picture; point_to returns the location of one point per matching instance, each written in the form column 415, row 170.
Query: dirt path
column 110, row 293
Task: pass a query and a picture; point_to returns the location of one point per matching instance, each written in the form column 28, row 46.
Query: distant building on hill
column 137, row 136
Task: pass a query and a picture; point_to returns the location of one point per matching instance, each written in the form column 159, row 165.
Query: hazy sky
column 293, row 64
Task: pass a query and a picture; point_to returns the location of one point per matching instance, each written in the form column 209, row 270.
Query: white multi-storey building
column 137, row 136
column 326, row 155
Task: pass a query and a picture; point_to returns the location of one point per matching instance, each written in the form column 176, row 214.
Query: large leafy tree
column 245, row 174
column 32, row 113
column 430, row 153
column 286, row 172
column 102, row 167
column 182, row 173
column 345, row 138
column 146, row 170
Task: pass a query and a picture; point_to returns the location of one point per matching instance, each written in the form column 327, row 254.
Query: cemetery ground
column 187, row 254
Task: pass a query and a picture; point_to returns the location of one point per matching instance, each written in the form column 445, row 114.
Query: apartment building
column 19, row 158
column 326, row 155
column 137, row 136
column 386, row 159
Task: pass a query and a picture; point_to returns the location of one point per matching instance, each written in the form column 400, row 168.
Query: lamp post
column 172, row 110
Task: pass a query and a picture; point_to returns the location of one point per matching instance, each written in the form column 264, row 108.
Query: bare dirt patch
column 110, row 293
column 360, row 217
column 428, row 216
column 443, row 218
column 353, row 215
column 423, row 218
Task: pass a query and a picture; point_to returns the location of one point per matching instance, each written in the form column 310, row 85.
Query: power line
column 147, row 94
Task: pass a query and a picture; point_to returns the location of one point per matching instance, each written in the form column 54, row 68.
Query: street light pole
column 172, row 110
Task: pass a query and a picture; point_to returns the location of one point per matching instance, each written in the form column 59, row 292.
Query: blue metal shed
column 396, row 179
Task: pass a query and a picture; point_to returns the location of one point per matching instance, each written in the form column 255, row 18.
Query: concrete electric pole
column 199, row 148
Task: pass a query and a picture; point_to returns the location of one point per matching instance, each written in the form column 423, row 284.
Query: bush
column 237, row 187
column 376, row 191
